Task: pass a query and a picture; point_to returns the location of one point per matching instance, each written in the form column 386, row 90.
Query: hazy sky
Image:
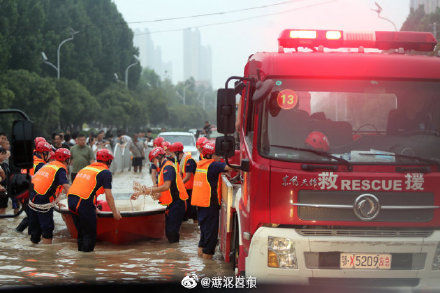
column 232, row 43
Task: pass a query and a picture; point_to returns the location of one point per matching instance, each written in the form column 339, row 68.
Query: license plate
column 365, row 261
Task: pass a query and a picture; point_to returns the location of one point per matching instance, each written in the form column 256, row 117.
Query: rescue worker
column 91, row 181
column 199, row 145
column 168, row 153
column 170, row 191
column 42, row 198
column 157, row 142
column 41, row 154
column 187, row 167
column 206, row 196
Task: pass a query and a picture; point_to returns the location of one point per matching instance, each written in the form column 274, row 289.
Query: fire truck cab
column 340, row 157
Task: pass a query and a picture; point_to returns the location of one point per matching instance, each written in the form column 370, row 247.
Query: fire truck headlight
column 281, row 253
column 436, row 261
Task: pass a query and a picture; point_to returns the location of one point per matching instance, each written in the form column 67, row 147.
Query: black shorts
column 137, row 162
column 3, row 200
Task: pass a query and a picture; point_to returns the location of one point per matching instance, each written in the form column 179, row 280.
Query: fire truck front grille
column 340, row 206
column 364, row 233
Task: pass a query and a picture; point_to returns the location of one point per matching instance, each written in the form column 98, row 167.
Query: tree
column 118, row 107
column 417, row 20
column 78, row 105
column 103, row 46
column 34, row 95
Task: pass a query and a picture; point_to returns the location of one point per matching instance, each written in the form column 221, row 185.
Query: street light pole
column 126, row 72
column 184, row 93
column 57, row 68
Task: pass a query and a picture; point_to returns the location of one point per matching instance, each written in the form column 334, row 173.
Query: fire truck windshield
column 360, row 121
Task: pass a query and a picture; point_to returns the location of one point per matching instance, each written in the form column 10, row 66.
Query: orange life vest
column 85, row 181
column 201, row 194
column 37, row 161
column 190, row 182
column 166, row 197
column 44, row 178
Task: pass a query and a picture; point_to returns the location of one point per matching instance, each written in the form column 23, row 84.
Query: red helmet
column 166, row 145
column 208, row 148
column 43, row 146
column 318, row 141
column 104, row 155
column 38, row 139
column 176, row 147
column 200, row 141
column 155, row 152
column 157, row 142
column 62, row 154
column 51, row 155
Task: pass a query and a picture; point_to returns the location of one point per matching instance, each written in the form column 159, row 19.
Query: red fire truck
column 340, row 157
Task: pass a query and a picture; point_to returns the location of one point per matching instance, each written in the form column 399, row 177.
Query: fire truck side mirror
column 21, row 144
column 225, row 146
column 245, row 165
column 226, row 111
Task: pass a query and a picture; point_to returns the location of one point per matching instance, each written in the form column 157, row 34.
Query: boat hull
column 128, row 229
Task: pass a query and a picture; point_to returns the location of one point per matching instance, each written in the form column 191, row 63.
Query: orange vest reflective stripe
column 85, row 181
column 44, row 178
column 177, row 167
column 201, row 194
column 166, row 197
column 190, row 182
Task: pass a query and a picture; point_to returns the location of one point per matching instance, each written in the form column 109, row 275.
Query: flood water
column 24, row 263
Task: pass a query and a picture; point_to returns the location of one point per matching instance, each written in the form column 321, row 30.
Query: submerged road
column 24, row 263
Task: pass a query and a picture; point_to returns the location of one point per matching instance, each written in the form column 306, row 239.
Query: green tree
column 78, row 105
column 118, row 107
column 36, row 96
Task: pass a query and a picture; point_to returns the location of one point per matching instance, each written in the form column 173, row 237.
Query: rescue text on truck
column 339, row 148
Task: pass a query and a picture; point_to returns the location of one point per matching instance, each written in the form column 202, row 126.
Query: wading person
column 41, row 154
column 43, row 196
column 172, row 193
column 206, row 196
column 4, row 174
column 199, row 145
column 82, row 155
column 90, row 182
column 187, row 170
column 137, row 149
column 168, row 153
column 154, row 171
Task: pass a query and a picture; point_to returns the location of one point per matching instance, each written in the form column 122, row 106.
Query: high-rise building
column 151, row 56
column 430, row 6
column 197, row 59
